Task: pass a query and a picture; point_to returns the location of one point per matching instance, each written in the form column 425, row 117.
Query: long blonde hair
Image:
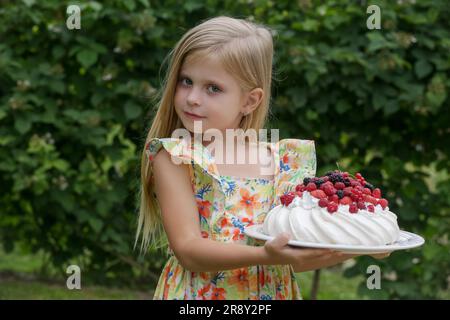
column 246, row 51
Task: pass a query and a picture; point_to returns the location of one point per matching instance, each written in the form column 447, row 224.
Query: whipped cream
column 306, row 221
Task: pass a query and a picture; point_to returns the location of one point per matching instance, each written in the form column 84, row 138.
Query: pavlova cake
column 334, row 209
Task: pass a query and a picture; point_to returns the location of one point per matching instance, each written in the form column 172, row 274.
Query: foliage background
column 75, row 104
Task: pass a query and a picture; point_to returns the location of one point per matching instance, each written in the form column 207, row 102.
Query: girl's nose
column 193, row 98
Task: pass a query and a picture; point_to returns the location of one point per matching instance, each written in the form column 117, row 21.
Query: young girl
column 220, row 77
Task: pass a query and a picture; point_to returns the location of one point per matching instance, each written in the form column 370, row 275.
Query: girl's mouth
column 193, row 116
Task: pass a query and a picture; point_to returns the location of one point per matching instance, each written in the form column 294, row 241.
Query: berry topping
column 353, row 208
column 332, row 207
column 376, row 193
column 311, row 186
column 383, row 203
column 319, row 194
column 339, row 185
column 346, row 201
column 339, row 188
column 323, row 203
column 287, row 198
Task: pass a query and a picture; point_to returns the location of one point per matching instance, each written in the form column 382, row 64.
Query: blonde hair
column 246, row 51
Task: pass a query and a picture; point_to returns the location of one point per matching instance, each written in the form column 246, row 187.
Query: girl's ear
column 253, row 99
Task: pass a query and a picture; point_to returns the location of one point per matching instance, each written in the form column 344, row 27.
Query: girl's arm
column 181, row 222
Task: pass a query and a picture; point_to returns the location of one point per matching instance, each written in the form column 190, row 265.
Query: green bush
column 74, row 106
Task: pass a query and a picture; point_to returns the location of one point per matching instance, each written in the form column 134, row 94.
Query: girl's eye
column 188, row 82
column 215, row 87
column 182, row 79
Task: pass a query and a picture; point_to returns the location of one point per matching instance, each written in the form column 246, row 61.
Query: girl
column 220, row 77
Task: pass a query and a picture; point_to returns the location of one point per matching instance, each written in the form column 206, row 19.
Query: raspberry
column 353, row 208
column 371, row 208
column 287, row 198
column 367, row 191
column 332, row 207
column 348, row 191
column 339, row 185
column 319, row 194
column 333, row 198
column 377, row 193
column 358, row 176
column 370, row 199
column 346, row 201
column 383, row 203
column 299, row 193
column 323, row 203
column 361, row 205
column 311, row 186
column 300, row 188
column 330, row 191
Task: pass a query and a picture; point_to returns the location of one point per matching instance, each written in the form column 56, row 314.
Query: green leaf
column 422, row 68
column 87, row 58
column 132, row 110
column 22, row 124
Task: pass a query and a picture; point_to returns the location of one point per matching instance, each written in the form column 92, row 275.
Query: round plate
column 407, row 240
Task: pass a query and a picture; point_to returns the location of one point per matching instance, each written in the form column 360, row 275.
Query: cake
column 334, row 209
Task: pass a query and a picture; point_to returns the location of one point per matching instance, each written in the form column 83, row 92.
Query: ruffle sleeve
column 187, row 152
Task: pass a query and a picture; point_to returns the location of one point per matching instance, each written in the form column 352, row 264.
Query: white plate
column 407, row 240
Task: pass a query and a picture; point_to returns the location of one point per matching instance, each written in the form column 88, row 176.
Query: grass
column 19, row 279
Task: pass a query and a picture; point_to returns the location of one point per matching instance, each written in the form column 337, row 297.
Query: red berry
column 318, row 194
column 323, row 203
column 345, row 201
column 370, row 199
column 376, row 193
column 353, row 208
column 383, row 203
column 367, row 191
column 330, row 190
column 325, row 178
column 339, row 185
column 358, row 175
column 287, row 198
column 299, row 194
column 300, row 187
column 333, row 198
column 361, row 205
column 345, row 174
column 311, row 186
column 371, row 208
column 332, row 207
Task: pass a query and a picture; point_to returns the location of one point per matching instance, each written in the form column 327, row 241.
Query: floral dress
column 226, row 205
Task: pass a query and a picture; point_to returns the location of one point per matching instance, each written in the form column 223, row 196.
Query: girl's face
column 205, row 92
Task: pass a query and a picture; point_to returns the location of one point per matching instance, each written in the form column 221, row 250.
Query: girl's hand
column 301, row 259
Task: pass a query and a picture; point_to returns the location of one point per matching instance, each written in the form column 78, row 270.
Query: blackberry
column 368, row 185
column 319, row 182
column 306, row 181
column 340, row 194
column 347, row 182
column 336, row 177
column 329, row 173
